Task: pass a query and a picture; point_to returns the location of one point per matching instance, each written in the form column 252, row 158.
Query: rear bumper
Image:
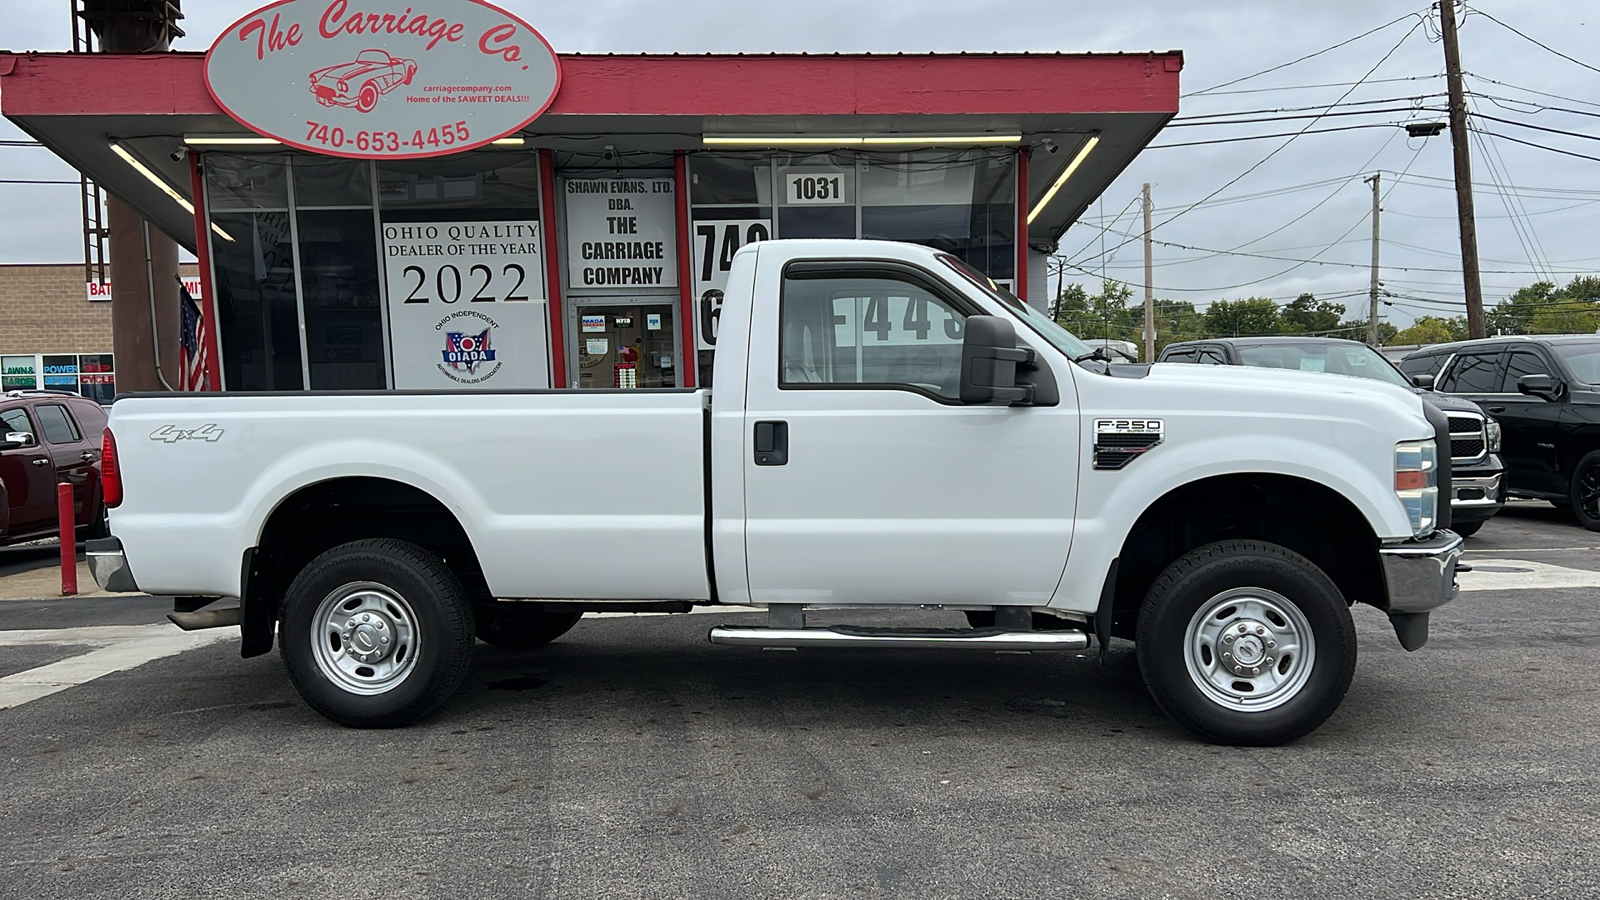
column 1420, row 575
column 109, row 566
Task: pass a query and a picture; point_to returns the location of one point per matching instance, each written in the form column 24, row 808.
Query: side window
column 15, row 420
column 1473, row 373
column 869, row 329
column 1179, row 356
column 1423, row 365
column 1212, row 357
column 58, row 426
column 1520, row 363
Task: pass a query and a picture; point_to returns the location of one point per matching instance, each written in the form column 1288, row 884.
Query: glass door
column 624, row 344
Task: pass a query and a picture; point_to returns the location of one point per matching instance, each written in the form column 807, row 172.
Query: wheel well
column 1308, row 518
column 1577, row 447
column 321, row 516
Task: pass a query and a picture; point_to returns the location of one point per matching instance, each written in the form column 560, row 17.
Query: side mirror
column 1542, row 386
column 989, row 359
column 16, row 440
column 1423, row 380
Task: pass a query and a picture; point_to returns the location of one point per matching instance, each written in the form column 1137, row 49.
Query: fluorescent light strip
column 508, row 142
column 782, row 140
column 161, row 183
column 1083, row 153
column 229, row 141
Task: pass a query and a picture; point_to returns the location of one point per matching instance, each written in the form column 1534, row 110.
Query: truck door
column 1530, row 424
column 866, row 480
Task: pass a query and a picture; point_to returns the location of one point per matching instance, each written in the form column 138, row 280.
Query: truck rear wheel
column 517, row 628
column 1584, row 495
column 1246, row 643
column 376, row 633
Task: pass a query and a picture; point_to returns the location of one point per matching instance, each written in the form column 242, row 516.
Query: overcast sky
column 1316, row 205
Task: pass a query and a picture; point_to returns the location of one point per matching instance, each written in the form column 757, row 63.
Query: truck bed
column 538, row 480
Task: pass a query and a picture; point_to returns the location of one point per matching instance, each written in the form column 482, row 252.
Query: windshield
column 1583, row 359
column 1046, row 327
column 1338, row 359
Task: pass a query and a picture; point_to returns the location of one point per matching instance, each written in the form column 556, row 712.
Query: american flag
column 192, row 337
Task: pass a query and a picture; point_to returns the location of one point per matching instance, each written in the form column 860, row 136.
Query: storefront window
column 962, row 203
column 96, row 378
column 343, row 310
column 18, row 373
column 235, row 182
column 258, row 321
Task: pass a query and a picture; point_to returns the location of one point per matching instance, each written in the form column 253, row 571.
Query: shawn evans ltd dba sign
column 383, row 79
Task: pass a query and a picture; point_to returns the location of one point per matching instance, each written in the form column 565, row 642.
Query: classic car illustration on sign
column 362, row 81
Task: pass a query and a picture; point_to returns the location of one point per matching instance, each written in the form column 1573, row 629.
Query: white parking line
column 1522, row 575
column 119, row 647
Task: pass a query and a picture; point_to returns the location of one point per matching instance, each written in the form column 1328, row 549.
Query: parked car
column 951, row 463
column 1478, row 489
column 47, row 437
column 1545, row 392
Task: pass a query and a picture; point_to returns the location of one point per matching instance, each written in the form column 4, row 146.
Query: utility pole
column 1149, row 286
column 1372, row 320
column 1471, row 281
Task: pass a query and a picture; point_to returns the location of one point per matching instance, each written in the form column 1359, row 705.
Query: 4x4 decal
column 170, row 434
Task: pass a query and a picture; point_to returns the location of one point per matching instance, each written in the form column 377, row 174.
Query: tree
column 1237, row 318
column 1308, row 315
column 1513, row 314
column 1565, row 317
column 1426, row 330
column 1357, row 330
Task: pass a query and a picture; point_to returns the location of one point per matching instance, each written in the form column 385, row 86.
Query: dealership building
column 380, row 206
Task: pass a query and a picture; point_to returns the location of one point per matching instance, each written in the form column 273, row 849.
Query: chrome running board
column 915, row 638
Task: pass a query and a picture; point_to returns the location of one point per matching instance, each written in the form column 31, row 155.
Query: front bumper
column 109, row 566
column 1420, row 575
column 1475, row 494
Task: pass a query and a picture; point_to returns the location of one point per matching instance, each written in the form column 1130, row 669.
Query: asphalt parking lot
column 633, row 759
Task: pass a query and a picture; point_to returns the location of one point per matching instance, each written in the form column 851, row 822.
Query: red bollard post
column 69, row 540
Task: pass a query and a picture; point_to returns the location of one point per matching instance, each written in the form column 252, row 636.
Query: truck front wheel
column 1246, row 643
column 376, row 633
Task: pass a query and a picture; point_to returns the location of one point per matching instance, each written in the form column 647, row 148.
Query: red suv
column 48, row 437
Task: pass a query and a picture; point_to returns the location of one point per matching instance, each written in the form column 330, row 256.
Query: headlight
column 1416, row 483
column 1493, row 429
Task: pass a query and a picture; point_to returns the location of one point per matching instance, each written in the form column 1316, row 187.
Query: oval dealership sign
column 383, row 79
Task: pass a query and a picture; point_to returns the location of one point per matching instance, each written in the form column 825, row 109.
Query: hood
column 1283, row 381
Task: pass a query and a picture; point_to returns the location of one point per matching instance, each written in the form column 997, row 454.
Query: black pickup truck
column 1545, row 392
column 1477, row 488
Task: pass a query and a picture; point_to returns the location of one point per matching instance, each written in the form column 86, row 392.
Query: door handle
column 1496, row 409
column 772, row 443
column 86, row 455
column 41, row 462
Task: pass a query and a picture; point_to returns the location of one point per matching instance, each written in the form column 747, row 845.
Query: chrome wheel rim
column 365, row 638
column 1249, row 649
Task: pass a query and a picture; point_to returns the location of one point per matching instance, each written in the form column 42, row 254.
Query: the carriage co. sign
column 383, row 79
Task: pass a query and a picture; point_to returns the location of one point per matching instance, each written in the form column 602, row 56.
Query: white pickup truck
column 886, row 431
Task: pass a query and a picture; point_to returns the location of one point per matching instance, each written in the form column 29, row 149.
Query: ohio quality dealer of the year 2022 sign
column 382, row 79
column 467, row 306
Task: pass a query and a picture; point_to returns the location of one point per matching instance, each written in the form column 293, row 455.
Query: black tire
column 417, row 614
column 514, row 628
column 1276, row 595
column 1584, row 493
column 1467, row 529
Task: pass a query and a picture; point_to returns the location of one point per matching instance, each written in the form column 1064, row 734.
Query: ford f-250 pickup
column 887, row 430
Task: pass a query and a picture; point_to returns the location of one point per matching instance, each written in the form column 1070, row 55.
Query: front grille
column 1468, row 441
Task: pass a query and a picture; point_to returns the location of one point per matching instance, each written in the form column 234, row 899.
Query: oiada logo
column 465, row 352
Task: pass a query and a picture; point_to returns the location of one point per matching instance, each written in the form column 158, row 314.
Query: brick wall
column 45, row 309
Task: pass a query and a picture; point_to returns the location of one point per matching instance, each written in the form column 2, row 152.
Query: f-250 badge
column 1118, row 442
column 171, row 434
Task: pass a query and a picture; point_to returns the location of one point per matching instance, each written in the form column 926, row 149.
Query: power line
column 1532, row 40
column 1257, row 137
column 1326, row 84
column 1532, row 91
column 1293, row 109
column 1587, row 137
column 1506, row 137
column 1325, row 115
column 1307, row 56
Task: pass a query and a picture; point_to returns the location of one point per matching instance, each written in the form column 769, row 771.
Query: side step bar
column 205, row 618
column 917, row 638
